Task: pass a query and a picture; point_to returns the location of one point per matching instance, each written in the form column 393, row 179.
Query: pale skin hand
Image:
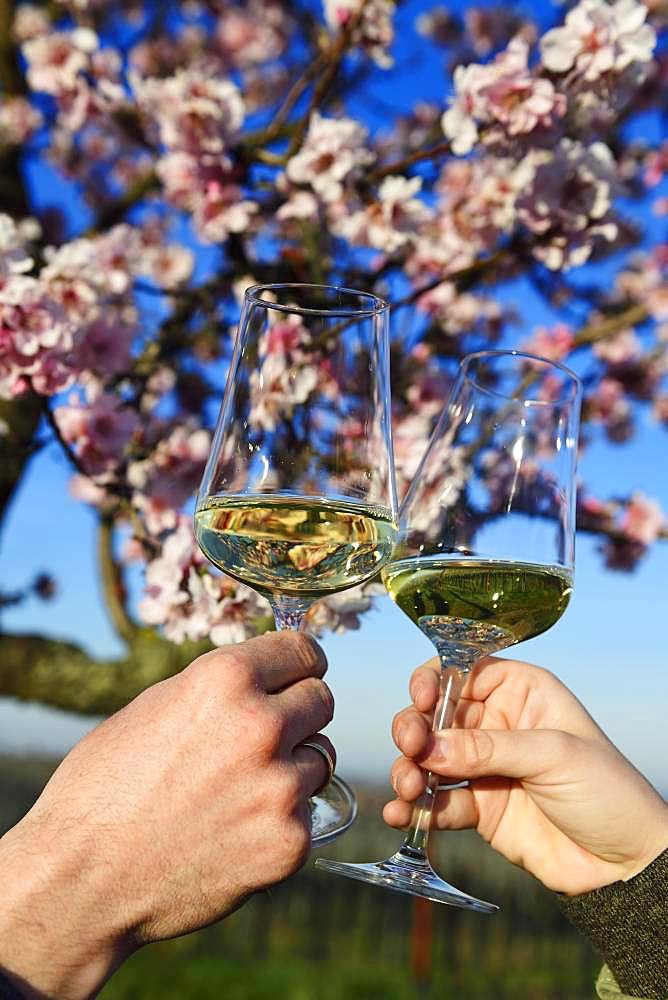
column 167, row 816
column 549, row 791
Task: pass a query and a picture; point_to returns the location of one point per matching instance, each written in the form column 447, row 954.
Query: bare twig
column 71, row 455
column 400, row 165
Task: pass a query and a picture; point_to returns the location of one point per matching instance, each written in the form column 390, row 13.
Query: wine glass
column 298, row 497
column 485, row 554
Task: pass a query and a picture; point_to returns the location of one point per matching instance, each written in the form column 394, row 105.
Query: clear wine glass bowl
column 485, row 555
column 298, row 498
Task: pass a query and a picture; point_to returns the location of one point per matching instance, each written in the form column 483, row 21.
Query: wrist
column 56, row 938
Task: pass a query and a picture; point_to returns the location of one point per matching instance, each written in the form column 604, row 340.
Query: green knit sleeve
column 627, row 923
column 607, row 988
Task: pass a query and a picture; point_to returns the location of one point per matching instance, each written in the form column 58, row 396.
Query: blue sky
column 608, row 648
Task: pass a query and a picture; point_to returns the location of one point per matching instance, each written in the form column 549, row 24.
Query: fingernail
column 319, row 652
column 399, row 731
column 396, row 783
column 419, row 691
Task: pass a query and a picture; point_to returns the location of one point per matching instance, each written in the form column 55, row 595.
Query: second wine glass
column 486, row 551
column 298, row 498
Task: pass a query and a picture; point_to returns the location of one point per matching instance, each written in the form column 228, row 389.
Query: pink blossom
column 277, row 388
column 476, row 205
column 599, row 38
column 254, row 33
column 333, row 151
column 622, row 349
column 553, row 342
column 647, row 281
column 342, row 612
column 609, row 405
column 300, row 205
column 375, row 32
column 87, row 490
column 459, row 312
column 169, row 264
column 206, row 189
column 164, row 481
column 19, row 120
column 189, row 602
column 34, row 336
column 643, row 519
column 568, row 195
column 14, row 258
column 503, row 94
column 410, row 435
column 99, row 431
column 390, row 222
column 193, row 112
column 656, row 165
column 490, row 28
column 55, row 60
column 104, row 347
column 30, row 20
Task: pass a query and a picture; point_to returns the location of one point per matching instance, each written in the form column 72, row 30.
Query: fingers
column 313, row 768
column 453, row 810
column 475, row 753
column 410, row 732
column 424, row 685
column 305, row 707
column 277, row 659
column 408, row 780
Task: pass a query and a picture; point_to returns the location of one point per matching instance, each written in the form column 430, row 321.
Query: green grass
column 320, row 937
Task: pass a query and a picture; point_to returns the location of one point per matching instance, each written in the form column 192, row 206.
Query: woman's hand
column 547, row 788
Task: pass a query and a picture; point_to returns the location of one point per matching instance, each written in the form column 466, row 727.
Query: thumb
column 499, row 753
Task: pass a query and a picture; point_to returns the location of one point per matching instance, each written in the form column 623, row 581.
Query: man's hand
column 548, row 789
column 167, row 816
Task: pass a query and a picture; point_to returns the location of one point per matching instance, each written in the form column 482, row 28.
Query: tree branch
column 71, row 455
column 62, row 674
column 332, row 59
column 111, row 578
column 400, row 165
column 631, row 316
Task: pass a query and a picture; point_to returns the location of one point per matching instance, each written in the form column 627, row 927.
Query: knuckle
column 477, row 748
column 229, row 668
column 322, row 696
column 289, row 795
column 297, row 832
column 267, row 728
column 306, row 651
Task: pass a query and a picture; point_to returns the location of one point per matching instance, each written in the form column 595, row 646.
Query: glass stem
column 414, row 847
column 289, row 612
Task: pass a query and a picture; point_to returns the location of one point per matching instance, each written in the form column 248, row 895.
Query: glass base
column 404, row 874
column 333, row 811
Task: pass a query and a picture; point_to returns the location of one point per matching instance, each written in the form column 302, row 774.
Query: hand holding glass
column 298, row 498
column 486, row 550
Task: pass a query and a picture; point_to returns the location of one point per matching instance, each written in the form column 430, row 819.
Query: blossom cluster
column 203, row 157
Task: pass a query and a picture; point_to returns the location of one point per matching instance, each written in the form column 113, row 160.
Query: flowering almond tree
column 209, row 145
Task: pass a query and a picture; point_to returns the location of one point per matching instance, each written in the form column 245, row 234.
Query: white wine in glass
column 485, row 554
column 298, row 498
